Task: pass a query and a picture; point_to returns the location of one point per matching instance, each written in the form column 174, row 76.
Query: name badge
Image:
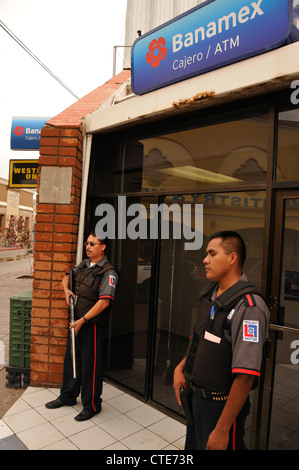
column 211, row 337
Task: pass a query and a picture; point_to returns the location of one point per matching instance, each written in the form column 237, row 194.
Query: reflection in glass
column 289, row 294
column 288, row 146
column 284, row 430
column 232, row 152
column 126, row 350
column 227, row 149
column 182, row 276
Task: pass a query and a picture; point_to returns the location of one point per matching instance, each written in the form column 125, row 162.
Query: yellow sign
column 23, row 173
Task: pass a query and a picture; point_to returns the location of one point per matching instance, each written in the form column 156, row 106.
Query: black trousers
column 205, row 416
column 90, row 342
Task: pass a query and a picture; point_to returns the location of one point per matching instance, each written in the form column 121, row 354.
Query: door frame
column 274, row 285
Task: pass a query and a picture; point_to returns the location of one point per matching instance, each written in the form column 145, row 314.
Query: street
column 15, row 277
column 17, row 266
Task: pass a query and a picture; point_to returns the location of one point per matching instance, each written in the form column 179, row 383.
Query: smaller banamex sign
column 212, row 35
column 25, row 132
column 23, row 173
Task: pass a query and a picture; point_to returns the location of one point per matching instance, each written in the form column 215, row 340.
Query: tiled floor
column 125, row 423
column 284, row 431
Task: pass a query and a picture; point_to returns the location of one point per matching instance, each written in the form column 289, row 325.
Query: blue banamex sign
column 211, row 35
column 25, row 132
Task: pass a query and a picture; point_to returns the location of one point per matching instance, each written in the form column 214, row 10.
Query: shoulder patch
column 112, row 280
column 251, row 331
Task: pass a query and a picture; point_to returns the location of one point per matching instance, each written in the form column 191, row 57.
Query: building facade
column 15, row 203
column 227, row 140
column 145, row 15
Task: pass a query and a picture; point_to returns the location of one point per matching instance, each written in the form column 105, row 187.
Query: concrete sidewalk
column 125, row 423
column 14, row 278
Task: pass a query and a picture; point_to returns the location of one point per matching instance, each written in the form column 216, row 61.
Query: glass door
column 129, row 335
column 280, row 423
column 182, row 278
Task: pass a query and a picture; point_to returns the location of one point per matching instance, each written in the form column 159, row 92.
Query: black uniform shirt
column 108, row 281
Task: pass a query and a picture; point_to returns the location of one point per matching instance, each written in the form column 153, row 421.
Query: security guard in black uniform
column 224, row 358
column 95, row 281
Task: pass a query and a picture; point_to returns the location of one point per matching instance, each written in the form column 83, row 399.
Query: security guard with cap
column 223, row 361
column 95, row 281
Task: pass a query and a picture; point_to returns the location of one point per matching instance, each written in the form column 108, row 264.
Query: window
column 230, row 150
column 227, row 153
column 288, row 143
column 182, row 276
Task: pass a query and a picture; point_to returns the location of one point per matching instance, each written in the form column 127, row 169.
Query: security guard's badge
column 251, row 331
column 112, row 280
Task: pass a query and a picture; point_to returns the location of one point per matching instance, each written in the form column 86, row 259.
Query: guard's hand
column 77, row 325
column 68, row 293
column 179, row 381
column 218, row 440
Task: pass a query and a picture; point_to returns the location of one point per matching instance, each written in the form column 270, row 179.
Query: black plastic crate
column 17, row 377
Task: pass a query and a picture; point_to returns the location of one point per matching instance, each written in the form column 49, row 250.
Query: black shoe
column 86, row 414
column 58, row 403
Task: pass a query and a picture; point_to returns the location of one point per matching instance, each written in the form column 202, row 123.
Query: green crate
column 20, row 329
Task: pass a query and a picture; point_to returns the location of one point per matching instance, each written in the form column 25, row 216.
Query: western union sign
column 23, row 173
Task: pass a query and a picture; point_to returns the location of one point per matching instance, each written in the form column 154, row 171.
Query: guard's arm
column 98, row 308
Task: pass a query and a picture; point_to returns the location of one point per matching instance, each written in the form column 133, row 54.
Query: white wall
column 145, row 15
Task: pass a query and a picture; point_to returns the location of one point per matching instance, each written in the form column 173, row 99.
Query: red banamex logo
column 157, row 51
column 19, row 130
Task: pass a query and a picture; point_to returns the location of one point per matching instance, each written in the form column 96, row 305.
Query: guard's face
column 217, row 263
column 94, row 250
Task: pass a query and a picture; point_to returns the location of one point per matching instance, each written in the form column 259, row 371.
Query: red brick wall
column 55, row 249
column 56, row 228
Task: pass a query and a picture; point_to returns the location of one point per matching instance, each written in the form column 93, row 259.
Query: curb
column 12, row 258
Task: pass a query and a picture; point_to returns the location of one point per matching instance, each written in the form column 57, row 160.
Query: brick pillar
column 56, row 233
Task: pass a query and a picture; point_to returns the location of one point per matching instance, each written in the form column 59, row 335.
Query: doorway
column 182, row 278
column 280, row 417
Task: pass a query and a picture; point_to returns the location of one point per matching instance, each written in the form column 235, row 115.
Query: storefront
column 237, row 155
column 229, row 140
column 246, row 141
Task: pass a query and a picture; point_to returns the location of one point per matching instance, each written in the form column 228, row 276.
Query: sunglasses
column 91, row 243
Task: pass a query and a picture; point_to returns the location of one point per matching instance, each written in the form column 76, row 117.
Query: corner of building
column 56, row 229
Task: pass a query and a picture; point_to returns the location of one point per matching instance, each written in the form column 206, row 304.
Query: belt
column 208, row 394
